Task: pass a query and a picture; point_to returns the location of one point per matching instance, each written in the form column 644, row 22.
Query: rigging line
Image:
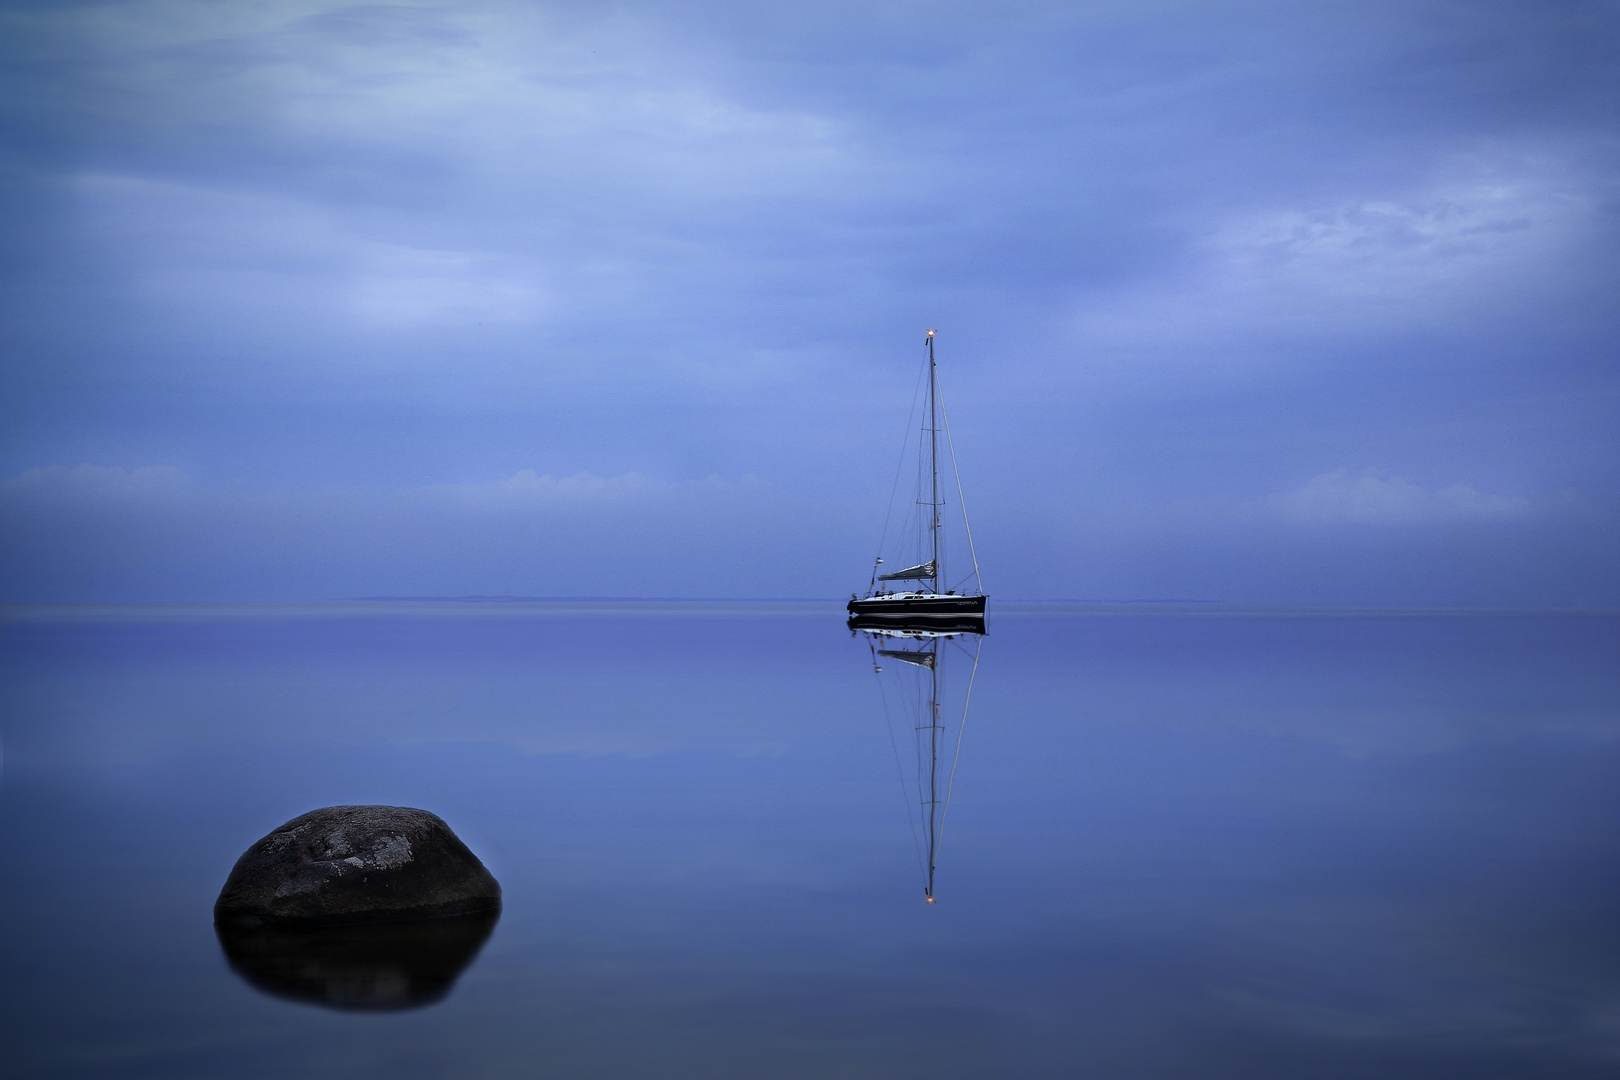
column 961, row 729
column 899, row 769
column 899, row 468
column 960, row 500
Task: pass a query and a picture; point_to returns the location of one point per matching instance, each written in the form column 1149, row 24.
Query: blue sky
column 1274, row 303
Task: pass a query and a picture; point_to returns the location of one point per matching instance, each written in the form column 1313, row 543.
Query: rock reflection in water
column 375, row 968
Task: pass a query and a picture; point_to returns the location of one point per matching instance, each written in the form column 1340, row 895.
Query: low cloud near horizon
column 1341, row 538
column 1372, row 499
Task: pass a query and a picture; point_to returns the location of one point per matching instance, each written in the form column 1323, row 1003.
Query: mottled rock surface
column 356, row 864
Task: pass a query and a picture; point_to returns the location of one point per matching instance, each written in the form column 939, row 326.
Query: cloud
column 402, row 287
column 527, row 487
column 88, row 531
column 91, row 484
column 210, row 249
column 1411, row 248
column 1372, row 499
column 1489, row 235
column 98, row 483
column 563, row 178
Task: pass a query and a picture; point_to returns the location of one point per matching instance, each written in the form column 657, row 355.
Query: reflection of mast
column 933, row 789
column 931, row 808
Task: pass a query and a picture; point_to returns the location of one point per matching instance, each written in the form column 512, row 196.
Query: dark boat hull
column 929, row 607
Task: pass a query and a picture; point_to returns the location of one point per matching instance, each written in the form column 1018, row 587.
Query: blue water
column 1179, row 844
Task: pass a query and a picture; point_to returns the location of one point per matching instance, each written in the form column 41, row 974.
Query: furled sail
column 912, row 573
column 919, row 657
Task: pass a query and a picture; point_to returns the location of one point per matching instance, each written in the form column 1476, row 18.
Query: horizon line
column 12, row 609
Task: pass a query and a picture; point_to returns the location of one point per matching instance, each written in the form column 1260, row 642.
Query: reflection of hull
column 917, row 606
column 925, row 624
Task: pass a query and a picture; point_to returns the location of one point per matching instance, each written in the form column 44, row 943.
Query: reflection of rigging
column 924, row 698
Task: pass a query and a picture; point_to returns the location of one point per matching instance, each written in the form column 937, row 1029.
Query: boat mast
column 933, row 461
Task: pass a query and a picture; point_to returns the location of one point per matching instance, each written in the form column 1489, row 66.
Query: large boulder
column 356, row 864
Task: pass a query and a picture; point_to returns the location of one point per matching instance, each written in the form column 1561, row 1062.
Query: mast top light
column 930, row 333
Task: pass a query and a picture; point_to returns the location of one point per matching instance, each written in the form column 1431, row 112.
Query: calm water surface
column 1179, row 845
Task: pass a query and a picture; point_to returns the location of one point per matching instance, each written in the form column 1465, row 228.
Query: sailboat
column 917, row 689
column 932, row 602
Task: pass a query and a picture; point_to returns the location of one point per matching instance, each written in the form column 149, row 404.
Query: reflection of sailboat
column 917, row 660
column 939, row 604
